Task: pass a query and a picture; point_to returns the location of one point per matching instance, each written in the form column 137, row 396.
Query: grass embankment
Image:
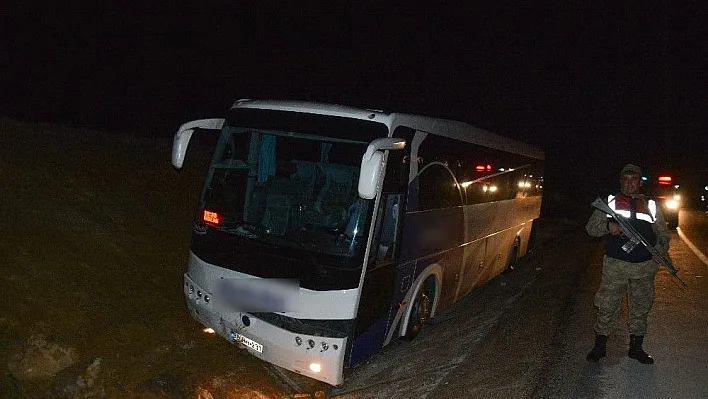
column 94, row 231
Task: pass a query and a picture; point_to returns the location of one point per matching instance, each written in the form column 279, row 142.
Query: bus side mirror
column 184, row 134
column 372, row 164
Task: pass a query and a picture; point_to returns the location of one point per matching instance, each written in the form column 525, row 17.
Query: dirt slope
column 94, row 232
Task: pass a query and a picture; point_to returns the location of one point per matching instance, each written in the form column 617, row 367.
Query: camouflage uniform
column 620, row 277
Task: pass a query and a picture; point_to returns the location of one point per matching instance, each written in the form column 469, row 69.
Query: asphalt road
column 677, row 339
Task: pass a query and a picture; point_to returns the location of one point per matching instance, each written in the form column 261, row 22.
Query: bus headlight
column 672, row 204
column 315, row 367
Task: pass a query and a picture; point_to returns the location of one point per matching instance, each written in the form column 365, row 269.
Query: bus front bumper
column 317, row 357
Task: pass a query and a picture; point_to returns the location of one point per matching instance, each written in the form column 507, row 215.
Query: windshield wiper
column 253, row 231
column 243, row 230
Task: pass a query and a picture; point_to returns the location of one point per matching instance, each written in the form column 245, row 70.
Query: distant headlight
column 672, row 204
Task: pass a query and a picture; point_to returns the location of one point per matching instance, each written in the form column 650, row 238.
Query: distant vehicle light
column 677, row 197
column 664, row 179
column 208, row 330
column 672, row 204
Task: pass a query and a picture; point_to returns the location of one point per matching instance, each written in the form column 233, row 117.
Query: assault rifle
column 635, row 238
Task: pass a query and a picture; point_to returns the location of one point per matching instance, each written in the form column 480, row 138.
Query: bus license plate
column 249, row 343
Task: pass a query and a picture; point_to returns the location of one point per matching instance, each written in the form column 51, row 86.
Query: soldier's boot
column 636, row 351
column 599, row 350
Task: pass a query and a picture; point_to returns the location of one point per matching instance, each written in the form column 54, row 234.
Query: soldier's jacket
column 597, row 227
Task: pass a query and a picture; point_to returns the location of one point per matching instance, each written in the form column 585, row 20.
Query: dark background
column 596, row 84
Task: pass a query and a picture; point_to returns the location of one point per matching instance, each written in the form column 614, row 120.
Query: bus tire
column 421, row 308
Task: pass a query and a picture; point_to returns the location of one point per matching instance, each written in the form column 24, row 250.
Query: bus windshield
column 279, row 183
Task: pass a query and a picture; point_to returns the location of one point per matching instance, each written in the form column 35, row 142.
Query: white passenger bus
column 324, row 232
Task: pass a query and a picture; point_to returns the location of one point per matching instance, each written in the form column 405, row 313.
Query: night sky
column 597, row 84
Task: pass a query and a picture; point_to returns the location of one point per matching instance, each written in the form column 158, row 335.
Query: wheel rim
column 420, row 311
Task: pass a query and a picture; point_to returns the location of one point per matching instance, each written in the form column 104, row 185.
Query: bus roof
column 443, row 127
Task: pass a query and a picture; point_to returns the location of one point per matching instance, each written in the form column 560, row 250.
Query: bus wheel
column 421, row 308
column 513, row 258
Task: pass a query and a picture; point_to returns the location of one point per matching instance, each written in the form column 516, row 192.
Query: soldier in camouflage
column 627, row 272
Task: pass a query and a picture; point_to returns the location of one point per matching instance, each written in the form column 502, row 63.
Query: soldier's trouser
column 619, row 277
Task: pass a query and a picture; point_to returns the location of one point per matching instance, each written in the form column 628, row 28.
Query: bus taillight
column 211, row 218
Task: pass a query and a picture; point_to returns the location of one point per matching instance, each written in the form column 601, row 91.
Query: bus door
column 376, row 306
